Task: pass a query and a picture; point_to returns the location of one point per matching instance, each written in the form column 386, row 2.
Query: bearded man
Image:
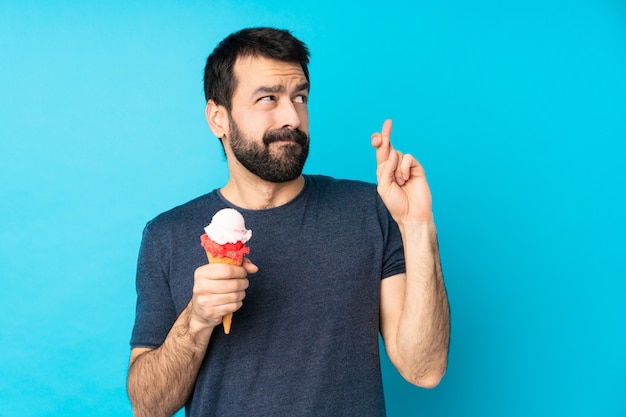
column 333, row 264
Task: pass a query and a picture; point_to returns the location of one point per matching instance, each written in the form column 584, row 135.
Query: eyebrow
column 279, row 88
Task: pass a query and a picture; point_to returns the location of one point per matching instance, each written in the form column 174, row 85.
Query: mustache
column 292, row 135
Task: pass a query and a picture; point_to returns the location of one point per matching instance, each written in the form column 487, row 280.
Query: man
column 333, row 262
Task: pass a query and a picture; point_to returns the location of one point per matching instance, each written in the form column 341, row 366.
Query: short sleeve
column 393, row 250
column 155, row 311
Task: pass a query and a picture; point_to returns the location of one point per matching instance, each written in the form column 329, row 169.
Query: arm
column 415, row 319
column 160, row 380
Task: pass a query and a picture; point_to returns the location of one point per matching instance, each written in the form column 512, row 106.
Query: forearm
column 161, row 380
column 423, row 332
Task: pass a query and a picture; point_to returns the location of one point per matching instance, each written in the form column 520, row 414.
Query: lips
column 285, row 135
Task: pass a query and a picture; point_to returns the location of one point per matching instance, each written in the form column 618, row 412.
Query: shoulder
column 192, row 214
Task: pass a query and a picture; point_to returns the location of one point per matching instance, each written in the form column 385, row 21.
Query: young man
column 332, row 263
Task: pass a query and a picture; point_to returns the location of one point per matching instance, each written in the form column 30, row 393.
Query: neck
column 254, row 193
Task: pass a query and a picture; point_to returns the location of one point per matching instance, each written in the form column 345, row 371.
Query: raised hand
column 402, row 182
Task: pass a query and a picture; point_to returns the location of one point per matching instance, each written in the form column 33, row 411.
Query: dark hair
column 278, row 44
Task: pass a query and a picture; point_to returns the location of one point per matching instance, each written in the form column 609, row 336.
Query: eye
column 301, row 99
column 267, row 98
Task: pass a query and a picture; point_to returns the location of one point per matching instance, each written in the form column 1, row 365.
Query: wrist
column 419, row 237
column 419, row 226
column 199, row 331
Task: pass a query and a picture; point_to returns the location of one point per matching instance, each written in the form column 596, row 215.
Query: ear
column 217, row 118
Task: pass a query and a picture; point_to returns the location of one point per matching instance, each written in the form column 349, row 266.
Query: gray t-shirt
column 305, row 342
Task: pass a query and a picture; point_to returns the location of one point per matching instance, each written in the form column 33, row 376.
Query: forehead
column 252, row 72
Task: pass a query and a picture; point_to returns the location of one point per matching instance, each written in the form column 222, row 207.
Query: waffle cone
column 220, row 260
column 227, row 320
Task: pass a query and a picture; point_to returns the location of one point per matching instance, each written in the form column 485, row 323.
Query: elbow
column 425, row 378
column 429, row 381
column 133, row 395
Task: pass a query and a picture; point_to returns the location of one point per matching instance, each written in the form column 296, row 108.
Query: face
column 268, row 126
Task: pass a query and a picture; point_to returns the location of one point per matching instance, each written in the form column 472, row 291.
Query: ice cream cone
column 225, row 243
column 227, row 320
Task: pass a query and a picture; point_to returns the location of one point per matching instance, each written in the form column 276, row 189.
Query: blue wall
column 517, row 110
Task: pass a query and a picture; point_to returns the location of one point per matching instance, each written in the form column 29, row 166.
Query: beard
column 280, row 165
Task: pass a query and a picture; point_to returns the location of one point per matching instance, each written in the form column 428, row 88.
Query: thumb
column 249, row 266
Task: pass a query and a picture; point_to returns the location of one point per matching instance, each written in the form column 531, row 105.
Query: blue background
column 516, row 109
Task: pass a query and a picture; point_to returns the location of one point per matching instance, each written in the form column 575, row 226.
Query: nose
column 288, row 116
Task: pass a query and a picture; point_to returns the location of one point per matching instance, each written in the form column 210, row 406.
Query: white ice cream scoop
column 228, row 226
